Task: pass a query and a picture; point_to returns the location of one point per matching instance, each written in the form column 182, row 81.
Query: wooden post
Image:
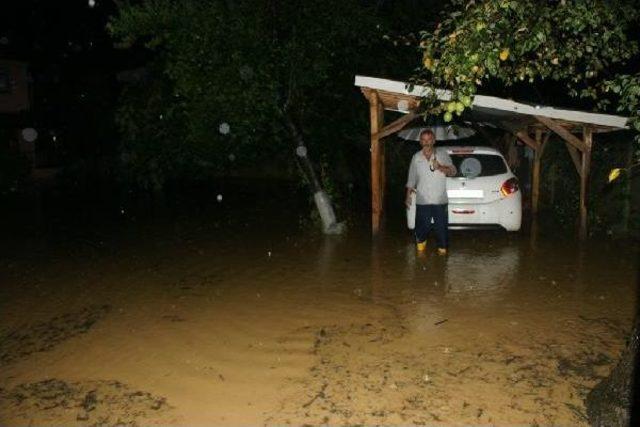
column 535, row 181
column 585, row 167
column 376, row 191
column 383, row 161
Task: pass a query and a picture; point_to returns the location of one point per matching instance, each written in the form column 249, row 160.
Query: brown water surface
column 242, row 319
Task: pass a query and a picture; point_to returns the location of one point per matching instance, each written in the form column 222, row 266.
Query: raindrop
column 29, row 134
column 224, row 128
column 301, row 151
column 219, row 198
column 232, row 157
column 269, row 253
column 92, row 3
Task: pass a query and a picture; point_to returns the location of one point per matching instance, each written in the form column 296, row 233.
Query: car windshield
column 470, row 165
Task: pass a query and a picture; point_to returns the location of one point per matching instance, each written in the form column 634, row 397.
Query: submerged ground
column 232, row 312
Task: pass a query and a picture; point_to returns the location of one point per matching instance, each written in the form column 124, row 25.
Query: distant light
column 54, row 138
column 224, row 128
column 219, row 198
column 92, row 3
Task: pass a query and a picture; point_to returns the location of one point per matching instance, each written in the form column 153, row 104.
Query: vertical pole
column 375, row 162
column 383, row 161
column 585, row 167
column 535, row 183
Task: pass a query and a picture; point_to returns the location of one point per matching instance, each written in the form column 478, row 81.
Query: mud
column 90, row 403
column 237, row 317
column 22, row 342
column 426, row 387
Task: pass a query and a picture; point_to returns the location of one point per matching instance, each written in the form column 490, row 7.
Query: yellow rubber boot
column 421, row 246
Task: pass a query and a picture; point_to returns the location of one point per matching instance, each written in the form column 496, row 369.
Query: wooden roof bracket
column 562, row 133
column 544, row 142
column 575, row 157
column 396, row 125
column 524, row 137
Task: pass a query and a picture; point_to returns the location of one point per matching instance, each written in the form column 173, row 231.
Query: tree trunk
column 321, row 198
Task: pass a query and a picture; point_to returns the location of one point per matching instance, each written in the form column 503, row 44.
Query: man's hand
column 447, row 170
column 407, row 199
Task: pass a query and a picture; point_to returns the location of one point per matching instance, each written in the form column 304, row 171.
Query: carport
column 530, row 124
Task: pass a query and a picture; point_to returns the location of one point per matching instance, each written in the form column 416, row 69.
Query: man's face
column 427, row 140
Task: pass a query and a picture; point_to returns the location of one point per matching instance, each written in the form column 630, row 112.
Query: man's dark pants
column 436, row 218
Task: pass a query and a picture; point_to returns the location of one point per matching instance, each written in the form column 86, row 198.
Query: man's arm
column 448, row 170
column 407, row 198
column 412, row 182
column 446, row 166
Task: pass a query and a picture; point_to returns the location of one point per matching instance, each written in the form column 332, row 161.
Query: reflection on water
column 487, row 274
column 231, row 315
column 473, row 268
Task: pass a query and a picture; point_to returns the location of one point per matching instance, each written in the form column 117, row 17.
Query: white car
column 484, row 192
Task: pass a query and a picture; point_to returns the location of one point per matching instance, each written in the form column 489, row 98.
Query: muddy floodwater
column 230, row 315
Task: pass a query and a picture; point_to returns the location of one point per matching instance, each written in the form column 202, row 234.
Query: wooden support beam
column 575, row 156
column 535, row 182
column 524, row 137
column 396, row 125
column 376, row 191
column 562, row 132
column 543, row 144
column 585, row 168
column 383, row 161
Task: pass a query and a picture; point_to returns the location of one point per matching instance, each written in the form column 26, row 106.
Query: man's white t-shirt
column 430, row 185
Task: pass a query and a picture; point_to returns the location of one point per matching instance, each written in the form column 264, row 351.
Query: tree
column 587, row 46
column 257, row 76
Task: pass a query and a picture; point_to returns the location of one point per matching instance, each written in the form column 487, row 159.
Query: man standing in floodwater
column 428, row 174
